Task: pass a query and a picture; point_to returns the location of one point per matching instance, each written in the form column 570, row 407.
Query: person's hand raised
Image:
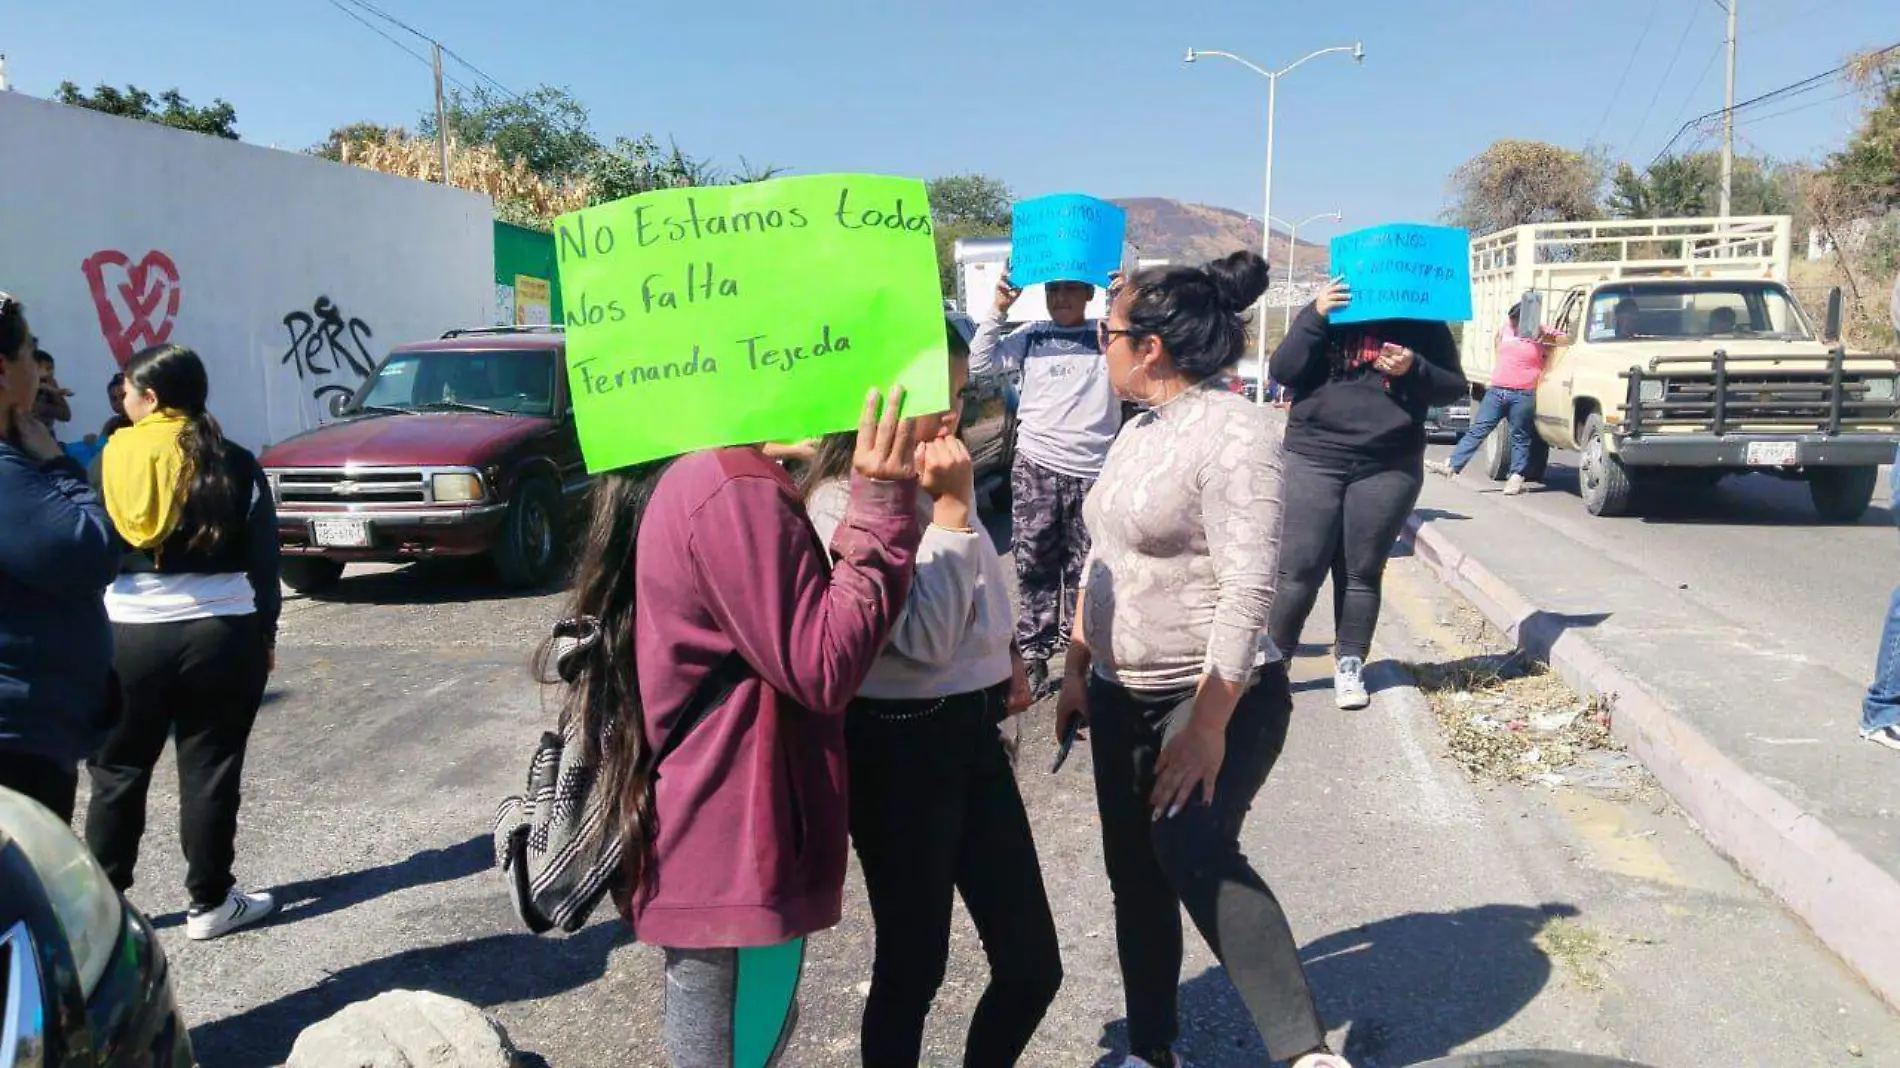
column 1006, row 295
column 944, row 469
column 1335, row 296
column 887, row 445
column 35, row 440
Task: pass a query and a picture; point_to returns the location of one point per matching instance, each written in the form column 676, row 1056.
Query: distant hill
column 1195, row 233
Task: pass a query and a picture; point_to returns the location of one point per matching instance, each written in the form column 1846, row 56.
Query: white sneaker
column 1887, row 736
column 1349, row 684
column 1441, row 468
column 238, row 910
column 1322, row 1060
column 1514, row 485
column 1137, row 1062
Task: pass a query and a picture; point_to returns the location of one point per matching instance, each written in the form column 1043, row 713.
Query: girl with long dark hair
column 1187, row 702
column 1355, row 462
column 56, row 554
column 935, row 810
column 194, row 620
column 701, row 584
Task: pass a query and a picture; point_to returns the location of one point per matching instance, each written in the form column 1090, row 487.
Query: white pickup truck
column 1681, row 357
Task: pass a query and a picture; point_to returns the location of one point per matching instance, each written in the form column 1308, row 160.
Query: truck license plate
column 345, row 533
column 1772, row 453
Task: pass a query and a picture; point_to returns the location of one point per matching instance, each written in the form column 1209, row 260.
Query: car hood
column 426, row 439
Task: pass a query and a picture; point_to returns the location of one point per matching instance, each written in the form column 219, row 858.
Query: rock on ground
column 405, row 1029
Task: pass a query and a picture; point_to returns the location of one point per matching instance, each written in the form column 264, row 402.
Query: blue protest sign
column 1405, row 271
column 1065, row 238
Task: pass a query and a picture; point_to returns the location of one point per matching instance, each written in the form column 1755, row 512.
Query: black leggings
column 1193, row 858
column 935, row 811
column 1342, row 517
column 201, row 680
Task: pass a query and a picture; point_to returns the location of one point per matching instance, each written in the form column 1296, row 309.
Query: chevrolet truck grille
column 378, row 486
column 1729, row 393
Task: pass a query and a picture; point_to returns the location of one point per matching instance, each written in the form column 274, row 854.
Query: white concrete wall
column 292, row 274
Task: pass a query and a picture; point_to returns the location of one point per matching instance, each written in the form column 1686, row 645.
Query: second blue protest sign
column 1065, row 238
column 1405, row 271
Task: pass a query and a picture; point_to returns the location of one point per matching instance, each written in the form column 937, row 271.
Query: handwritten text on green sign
column 718, row 316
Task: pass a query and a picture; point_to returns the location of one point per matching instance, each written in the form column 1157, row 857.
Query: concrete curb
column 1850, row 903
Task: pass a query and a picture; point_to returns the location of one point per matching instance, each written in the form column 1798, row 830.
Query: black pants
column 50, row 782
column 1050, row 543
column 935, row 811
column 1342, row 517
column 201, row 681
column 1193, row 859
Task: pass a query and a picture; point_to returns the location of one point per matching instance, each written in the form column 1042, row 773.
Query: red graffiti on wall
column 136, row 302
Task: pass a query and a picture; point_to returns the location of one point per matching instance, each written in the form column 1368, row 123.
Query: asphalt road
column 1436, row 915
column 1750, row 550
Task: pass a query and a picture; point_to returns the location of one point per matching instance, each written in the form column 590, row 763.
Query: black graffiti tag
column 323, row 343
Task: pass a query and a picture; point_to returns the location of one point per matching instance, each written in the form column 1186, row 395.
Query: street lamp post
column 1273, row 77
column 1292, row 257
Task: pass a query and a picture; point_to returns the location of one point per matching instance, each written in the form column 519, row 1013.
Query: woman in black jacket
column 1355, row 461
column 56, row 555
column 194, row 618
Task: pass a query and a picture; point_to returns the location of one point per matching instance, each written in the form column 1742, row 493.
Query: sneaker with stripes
column 239, row 910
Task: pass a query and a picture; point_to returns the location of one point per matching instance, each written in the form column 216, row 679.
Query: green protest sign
column 722, row 316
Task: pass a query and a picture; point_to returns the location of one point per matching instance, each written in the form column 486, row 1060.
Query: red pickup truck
column 462, row 446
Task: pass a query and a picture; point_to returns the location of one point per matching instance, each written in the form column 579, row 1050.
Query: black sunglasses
column 1105, row 337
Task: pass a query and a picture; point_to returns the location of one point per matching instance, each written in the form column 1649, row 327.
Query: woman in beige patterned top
column 1186, row 699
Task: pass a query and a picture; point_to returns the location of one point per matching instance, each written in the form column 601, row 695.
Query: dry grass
column 1508, row 719
column 479, row 168
column 1576, row 949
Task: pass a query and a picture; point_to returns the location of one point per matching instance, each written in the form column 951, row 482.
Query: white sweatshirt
column 1068, row 415
column 954, row 632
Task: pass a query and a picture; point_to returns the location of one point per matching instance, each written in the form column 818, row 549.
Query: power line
column 378, row 31
column 484, row 76
column 1667, row 71
column 1714, row 54
column 1792, row 89
column 1654, row 6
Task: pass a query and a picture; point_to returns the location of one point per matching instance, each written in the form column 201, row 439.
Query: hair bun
column 1239, row 279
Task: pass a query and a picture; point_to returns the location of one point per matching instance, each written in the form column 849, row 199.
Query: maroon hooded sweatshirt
column 750, row 846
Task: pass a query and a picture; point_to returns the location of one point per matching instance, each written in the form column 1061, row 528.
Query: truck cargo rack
column 1725, row 391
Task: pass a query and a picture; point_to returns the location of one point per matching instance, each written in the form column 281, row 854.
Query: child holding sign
column 705, row 568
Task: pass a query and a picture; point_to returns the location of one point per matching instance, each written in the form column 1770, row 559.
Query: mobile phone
column 1068, row 742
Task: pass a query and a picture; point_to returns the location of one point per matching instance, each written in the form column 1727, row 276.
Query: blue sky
column 1051, row 96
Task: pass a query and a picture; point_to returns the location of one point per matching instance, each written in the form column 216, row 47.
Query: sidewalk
column 1754, row 741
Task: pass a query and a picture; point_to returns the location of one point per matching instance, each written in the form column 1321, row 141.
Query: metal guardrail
column 1723, row 390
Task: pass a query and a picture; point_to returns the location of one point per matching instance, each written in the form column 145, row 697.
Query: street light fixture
column 1358, row 52
column 1292, row 256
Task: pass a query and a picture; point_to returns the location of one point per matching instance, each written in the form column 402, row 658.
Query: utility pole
column 1728, row 118
column 442, row 116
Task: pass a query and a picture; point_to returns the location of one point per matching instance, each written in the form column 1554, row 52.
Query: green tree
column 1516, row 182
column 1868, row 169
column 1690, row 186
column 169, row 108
column 970, row 200
column 965, row 206
column 355, row 133
column 546, row 127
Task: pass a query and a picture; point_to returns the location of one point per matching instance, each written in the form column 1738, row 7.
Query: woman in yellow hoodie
column 194, row 624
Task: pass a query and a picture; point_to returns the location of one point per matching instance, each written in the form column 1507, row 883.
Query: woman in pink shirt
column 702, row 585
column 1511, row 399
